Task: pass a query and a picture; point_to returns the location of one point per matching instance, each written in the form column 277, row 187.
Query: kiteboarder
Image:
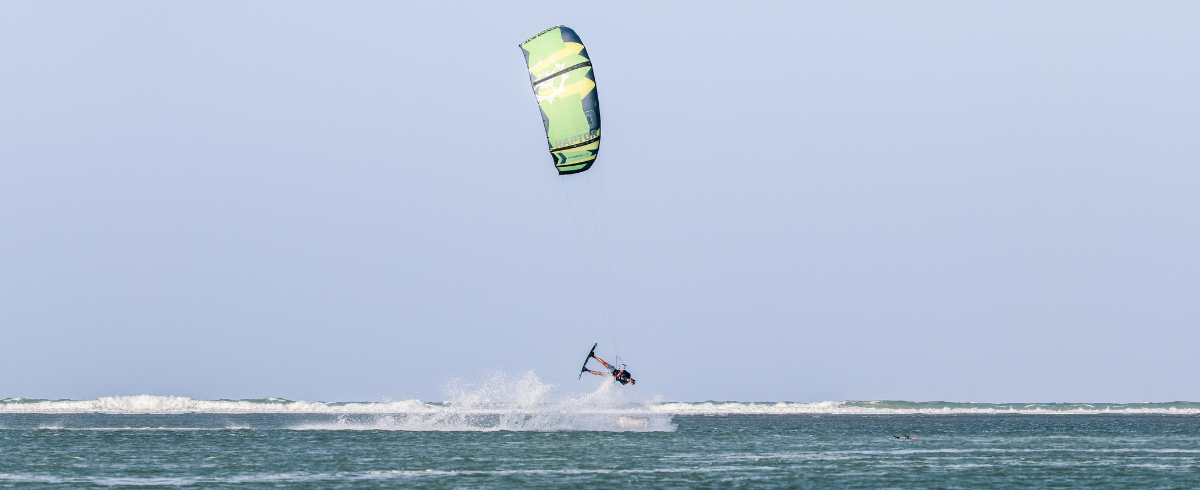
column 619, row 375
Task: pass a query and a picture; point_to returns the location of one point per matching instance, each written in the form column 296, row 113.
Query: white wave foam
column 412, row 410
column 523, row 402
column 931, row 408
column 148, row 404
column 736, row 408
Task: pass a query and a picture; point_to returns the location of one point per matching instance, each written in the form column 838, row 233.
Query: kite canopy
column 561, row 74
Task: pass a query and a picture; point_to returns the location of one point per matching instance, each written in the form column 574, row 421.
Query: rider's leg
column 594, row 372
column 602, row 362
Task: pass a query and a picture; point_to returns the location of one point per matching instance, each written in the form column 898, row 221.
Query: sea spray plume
column 498, row 401
column 498, row 389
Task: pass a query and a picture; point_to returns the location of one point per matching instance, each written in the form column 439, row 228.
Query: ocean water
column 519, row 437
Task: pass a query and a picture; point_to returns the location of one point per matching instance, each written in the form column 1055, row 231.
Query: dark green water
column 728, row 451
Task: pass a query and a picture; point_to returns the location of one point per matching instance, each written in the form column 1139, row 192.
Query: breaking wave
column 150, row 404
column 886, row 407
column 600, row 402
column 522, row 402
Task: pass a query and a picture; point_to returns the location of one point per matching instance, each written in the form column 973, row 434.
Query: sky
column 802, row 201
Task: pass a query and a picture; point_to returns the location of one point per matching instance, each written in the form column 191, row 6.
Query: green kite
column 561, row 74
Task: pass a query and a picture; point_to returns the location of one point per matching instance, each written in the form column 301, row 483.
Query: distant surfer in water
column 620, row 375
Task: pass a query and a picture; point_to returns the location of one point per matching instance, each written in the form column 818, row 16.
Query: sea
column 522, row 436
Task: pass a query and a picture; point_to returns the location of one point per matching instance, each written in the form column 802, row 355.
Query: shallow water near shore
column 331, row 450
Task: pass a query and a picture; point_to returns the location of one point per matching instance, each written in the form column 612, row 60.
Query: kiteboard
column 585, row 360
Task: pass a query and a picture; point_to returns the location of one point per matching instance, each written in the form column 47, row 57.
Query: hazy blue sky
column 960, row 201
